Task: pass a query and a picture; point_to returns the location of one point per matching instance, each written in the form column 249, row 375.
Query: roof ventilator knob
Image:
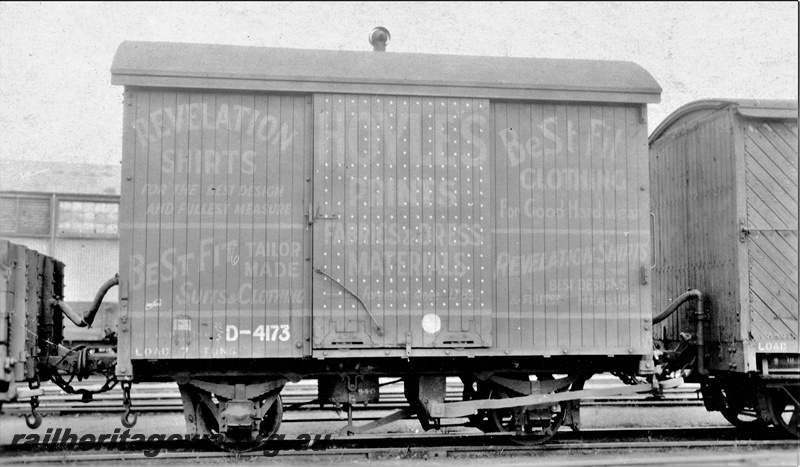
column 379, row 38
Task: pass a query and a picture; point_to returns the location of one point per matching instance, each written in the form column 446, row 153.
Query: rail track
column 164, row 397
column 421, row 446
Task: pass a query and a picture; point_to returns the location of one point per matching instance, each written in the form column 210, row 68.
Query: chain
column 126, row 394
column 86, row 394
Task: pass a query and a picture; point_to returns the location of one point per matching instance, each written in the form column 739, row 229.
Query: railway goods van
column 723, row 177
column 342, row 215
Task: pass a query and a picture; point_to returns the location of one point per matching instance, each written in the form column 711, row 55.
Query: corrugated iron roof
column 755, row 108
column 161, row 64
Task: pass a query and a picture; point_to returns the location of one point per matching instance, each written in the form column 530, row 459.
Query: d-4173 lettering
column 264, row 332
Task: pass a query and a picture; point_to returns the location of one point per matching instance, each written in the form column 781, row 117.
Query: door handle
column 313, row 216
column 325, row 216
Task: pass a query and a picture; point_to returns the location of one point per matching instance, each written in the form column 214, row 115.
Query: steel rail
column 430, row 445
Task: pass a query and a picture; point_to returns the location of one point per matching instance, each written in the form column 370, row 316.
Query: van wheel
column 532, row 424
column 784, row 409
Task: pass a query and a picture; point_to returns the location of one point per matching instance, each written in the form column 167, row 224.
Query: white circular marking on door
column 431, row 323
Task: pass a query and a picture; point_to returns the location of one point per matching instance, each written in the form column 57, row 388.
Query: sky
column 57, row 101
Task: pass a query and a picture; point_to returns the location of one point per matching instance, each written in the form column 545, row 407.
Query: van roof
column 204, row 66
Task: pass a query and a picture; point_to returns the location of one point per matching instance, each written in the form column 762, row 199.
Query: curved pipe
column 700, row 317
column 88, row 316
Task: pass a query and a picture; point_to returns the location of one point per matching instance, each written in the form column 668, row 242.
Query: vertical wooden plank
column 180, row 324
column 440, row 205
column 609, row 208
column 729, row 225
column 272, row 219
column 429, row 212
column 723, row 212
column 336, row 238
column 139, row 252
column 486, row 225
column 549, row 235
column 421, row 234
column 355, row 320
column 364, row 209
column 466, row 221
column 351, row 195
column 127, row 226
column 292, row 336
column 288, row 133
column 452, row 202
column 203, row 214
column 718, row 221
column 194, row 199
column 166, row 212
column 659, row 176
column 511, row 211
column 389, row 214
column 539, row 258
column 284, row 135
column 251, row 197
column 693, row 210
column 683, row 177
column 255, row 254
column 638, row 224
column 153, row 230
column 351, row 210
column 321, row 283
column 713, row 200
column 642, row 200
column 500, row 188
column 137, row 301
column 560, row 226
column 307, row 333
column 679, row 177
column 677, row 217
column 220, row 228
column 598, row 225
column 375, row 283
column 584, row 225
column 232, row 188
column 658, row 171
column 622, row 186
column 654, row 157
column 658, row 167
column 524, row 177
column 742, row 261
column 38, row 271
column 573, row 186
column 326, row 296
column 708, row 170
column 401, row 156
column 669, row 222
column 16, row 291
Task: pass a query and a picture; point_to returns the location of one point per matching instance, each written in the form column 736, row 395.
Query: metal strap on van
column 377, row 326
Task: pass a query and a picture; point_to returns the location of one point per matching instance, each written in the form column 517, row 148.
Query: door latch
column 313, row 216
column 743, row 231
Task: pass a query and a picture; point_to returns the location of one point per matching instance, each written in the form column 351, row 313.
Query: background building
column 68, row 211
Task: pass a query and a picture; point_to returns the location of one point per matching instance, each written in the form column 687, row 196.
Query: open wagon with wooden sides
column 724, row 195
